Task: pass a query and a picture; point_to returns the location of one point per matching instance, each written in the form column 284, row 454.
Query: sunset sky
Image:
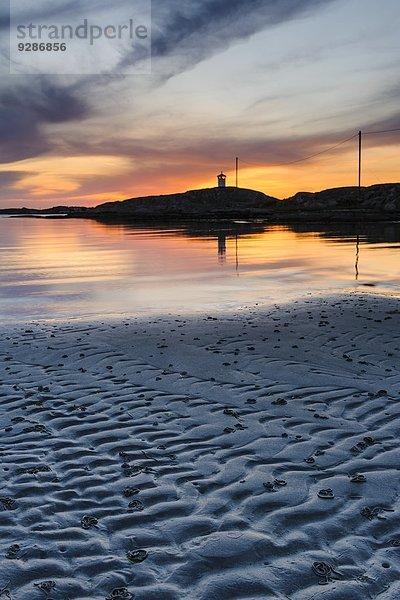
column 270, row 81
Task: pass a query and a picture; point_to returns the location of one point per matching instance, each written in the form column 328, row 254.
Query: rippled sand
column 204, row 459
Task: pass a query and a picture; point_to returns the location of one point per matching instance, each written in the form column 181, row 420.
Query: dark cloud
column 20, row 137
column 392, row 122
column 204, row 153
column 25, row 109
column 8, row 178
column 28, row 103
column 4, row 15
column 48, row 10
column 4, row 21
column 176, row 22
column 8, row 192
column 46, row 102
column 187, row 33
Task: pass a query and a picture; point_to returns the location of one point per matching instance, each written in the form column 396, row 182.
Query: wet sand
column 251, row 455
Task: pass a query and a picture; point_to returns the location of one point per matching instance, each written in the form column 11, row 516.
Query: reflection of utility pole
column 222, row 247
column 359, row 162
column 237, row 256
column 357, row 255
column 222, row 250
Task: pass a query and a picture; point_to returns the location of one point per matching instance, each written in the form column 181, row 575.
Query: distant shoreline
column 277, row 219
column 375, row 203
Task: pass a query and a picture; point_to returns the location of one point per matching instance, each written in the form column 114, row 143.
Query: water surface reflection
column 61, row 268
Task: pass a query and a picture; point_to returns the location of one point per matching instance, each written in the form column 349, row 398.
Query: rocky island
column 378, row 202
column 346, row 204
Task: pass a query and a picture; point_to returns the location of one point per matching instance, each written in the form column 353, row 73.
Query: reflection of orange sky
column 76, row 252
column 69, row 254
column 330, row 258
column 81, row 180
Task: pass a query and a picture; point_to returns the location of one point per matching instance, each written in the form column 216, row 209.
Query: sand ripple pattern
column 249, row 456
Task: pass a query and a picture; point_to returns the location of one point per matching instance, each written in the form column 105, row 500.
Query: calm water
column 60, row 268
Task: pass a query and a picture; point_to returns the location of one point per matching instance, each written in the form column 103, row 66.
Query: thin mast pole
column 359, row 160
column 237, row 172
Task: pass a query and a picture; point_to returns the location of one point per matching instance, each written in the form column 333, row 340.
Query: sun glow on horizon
column 81, row 180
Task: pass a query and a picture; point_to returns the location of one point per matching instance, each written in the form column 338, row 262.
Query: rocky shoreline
column 347, row 204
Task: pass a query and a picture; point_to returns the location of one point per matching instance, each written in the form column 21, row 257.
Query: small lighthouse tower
column 221, row 180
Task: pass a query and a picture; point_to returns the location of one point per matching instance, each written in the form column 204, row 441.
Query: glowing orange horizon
column 79, row 180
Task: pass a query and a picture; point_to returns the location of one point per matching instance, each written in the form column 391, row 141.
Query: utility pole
column 359, row 161
column 237, row 171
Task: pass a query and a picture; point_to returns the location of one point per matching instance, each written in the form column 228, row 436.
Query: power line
column 303, row 159
column 293, row 162
column 384, row 131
